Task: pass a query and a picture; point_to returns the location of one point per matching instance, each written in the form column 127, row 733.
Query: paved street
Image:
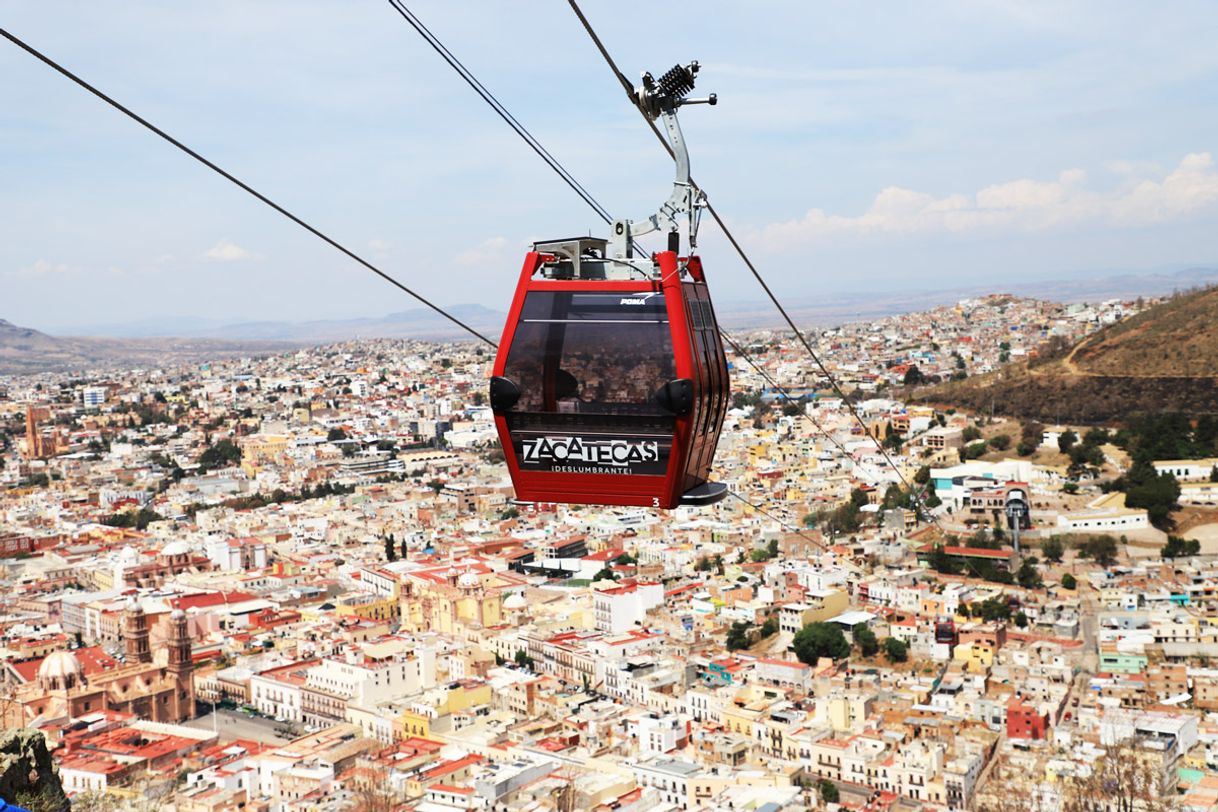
column 234, row 724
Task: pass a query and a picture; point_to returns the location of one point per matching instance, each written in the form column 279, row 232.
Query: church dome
column 61, row 669
column 177, row 614
column 469, row 580
column 515, row 601
column 175, row 548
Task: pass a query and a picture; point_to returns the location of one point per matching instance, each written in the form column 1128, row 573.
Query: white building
column 620, row 608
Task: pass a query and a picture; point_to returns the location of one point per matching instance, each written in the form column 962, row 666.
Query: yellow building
column 367, row 607
column 976, row 657
column 261, row 449
column 450, row 600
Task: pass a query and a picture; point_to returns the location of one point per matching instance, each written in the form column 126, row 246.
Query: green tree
column 1066, row 441
column 391, row 553
column 1053, row 549
column 828, row 791
column 625, row 560
column 769, row 628
column 523, row 659
column 220, row 455
column 818, row 640
column 1101, row 549
column 510, row 513
column 1000, row 442
column 1021, row 620
column 895, row 650
column 1029, row 576
column 1069, row 582
column 993, row 609
column 738, row 636
column 605, row 574
column 914, row 376
column 865, row 638
column 923, row 475
column 1177, row 547
column 335, row 434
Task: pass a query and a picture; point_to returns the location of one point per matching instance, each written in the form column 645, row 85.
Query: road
column 231, row 724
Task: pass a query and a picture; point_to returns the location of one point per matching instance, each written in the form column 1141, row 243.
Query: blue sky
column 856, row 146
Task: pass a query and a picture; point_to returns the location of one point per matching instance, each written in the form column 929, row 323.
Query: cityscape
column 301, row 581
column 875, row 470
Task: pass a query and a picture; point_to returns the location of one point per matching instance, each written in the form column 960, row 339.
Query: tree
column 1069, row 581
column 221, row 455
column 865, row 638
column 625, row 560
column 1053, row 549
column 335, row 434
column 828, row 791
column 402, row 550
column 1021, row 620
column 1029, row 576
column 772, row 548
column 605, row 574
column 818, row 640
column 1000, row 442
column 391, row 554
column 523, row 659
column 971, row 433
column 895, row 650
column 769, row 628
column 923, row 475
column 1176, row 547
column 1101, row 549
column 1157, row 492
column 1066, row 441
column 993, row 609
column 436, row 485
column 1070, row 487
column 914, row 376
column 738, row 635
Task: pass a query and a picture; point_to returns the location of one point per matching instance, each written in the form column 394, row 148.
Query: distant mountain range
column 831, row 308
column 23, row 350
column 152, row 341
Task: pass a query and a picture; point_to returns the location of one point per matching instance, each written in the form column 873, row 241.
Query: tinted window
column 591, row 353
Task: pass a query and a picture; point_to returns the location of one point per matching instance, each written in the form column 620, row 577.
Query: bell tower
column 135, row 633
column 181, row 666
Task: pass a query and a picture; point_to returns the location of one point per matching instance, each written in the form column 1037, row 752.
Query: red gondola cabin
column 608, row 389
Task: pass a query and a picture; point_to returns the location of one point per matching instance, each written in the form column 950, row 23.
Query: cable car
column 610, row 386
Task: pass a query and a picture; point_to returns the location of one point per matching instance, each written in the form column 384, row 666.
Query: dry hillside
column 1165, row 359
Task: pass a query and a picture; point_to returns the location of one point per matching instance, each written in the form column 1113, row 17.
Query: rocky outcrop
column 27, row 775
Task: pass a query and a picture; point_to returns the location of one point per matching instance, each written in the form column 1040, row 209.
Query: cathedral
column 160, row 689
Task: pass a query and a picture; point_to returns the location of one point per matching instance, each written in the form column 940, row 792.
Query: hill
column 26, row 351
column 1164, row 359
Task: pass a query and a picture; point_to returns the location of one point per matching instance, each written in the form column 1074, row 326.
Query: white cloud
column 225, row 251
column 1018, row 206
column 495, row 251
column 43, row 268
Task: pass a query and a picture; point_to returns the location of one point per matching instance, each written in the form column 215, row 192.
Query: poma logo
column 617, row 453
column 633, row 302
